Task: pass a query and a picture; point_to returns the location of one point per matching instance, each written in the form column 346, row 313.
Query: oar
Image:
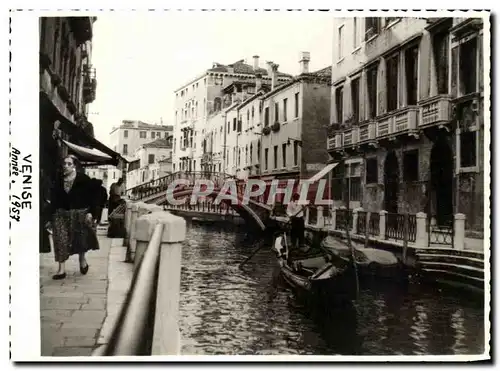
column 353, row 257
column 262, row 244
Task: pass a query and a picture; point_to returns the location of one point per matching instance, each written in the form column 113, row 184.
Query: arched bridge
column 155, row 191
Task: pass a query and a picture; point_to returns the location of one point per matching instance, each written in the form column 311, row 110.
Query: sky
column 142, row 58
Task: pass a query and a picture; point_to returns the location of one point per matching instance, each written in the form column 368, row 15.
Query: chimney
column 258, row 82
column 269, row 68
column 274, row 76
column 304, row 62
column 255, row 62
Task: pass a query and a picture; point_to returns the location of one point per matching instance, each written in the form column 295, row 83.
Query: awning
column 323, row 172
column 88, row 154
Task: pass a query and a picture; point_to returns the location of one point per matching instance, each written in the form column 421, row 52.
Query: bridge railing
column 159, row 185
column 148, row 320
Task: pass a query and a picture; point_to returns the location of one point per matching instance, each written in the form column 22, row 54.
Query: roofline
column 298, row 79
column 160, row 127
column 191, row 81
column 208, row 73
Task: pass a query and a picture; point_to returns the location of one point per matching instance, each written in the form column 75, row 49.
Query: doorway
column 441, row 164
column 391, row 183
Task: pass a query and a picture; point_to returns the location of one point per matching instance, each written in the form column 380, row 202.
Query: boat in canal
column 315, row 272
column 370, row 262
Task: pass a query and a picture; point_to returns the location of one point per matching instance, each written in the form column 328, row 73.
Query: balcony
column 275, row 127
column 406, row 120
column 266, row 130
column 335, row 142
column 89, row 84
column 435, row 111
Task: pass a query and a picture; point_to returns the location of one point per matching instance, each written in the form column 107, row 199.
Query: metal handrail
column 133, row 331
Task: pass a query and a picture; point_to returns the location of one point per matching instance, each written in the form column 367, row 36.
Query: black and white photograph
column 251, row 185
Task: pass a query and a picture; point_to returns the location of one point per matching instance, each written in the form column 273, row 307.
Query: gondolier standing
column 296, row 214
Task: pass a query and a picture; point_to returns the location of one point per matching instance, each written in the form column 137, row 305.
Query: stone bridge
column 155, row 192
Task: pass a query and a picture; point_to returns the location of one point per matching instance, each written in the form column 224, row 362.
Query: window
column 158, row 134
column 153, row 135
column 142, row 134
column 283, row 154
column 440, row 46
column 266, row 116
column 266, row 158
column 392, row 83
column 410, row 166
column 371, row 170
column 372, row 27
column 251, row 152
column 125, row 134
column 276, row 112
column 337, row 182
column 339, row 102
column 411, row 64
column 285, row 101
column 354, row 181
column 275, row 157
column 151, row 158
column 228, row 127
column 296, row 104
column 258, row 152
column 295, row 153
column 234, row 124
column 125, row 149
column 468, row 65
column 371, row 77
column 468, row 148
column 355, row 99
column 340, row 45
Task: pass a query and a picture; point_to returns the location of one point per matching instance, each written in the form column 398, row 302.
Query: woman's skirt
column 72, row 234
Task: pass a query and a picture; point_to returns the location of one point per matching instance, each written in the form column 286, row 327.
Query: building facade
column 271, row 131
column 131, row 134
column 204, row 99
column 407, row 116
column 67, row 85
column 152, row 160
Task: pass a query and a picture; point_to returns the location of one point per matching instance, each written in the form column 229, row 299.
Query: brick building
column 407, row 116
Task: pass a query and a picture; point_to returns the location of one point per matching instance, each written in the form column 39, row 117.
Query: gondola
column 372, row 263
column 314, row 273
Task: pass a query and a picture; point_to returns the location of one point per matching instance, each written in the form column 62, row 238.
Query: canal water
column 226, row 310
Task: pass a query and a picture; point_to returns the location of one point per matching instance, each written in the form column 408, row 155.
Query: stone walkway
column 77, row 313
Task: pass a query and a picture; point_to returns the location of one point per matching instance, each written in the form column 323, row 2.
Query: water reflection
column 227, row 310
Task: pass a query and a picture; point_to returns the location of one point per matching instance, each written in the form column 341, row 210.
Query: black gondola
column 315, row 273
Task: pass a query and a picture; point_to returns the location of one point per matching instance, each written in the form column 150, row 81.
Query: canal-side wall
column 453, row 261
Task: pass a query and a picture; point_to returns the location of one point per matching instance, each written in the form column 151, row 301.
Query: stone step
column 454, row 279
column 452, row 259
column 466, row 270
column 456, row 270
column 449, row 251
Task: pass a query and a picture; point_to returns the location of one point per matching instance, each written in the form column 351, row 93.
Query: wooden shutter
column 347, row 100
column 454, row 71
column 363, row 95
column 424, row 71
column 382, row 88
column 480, row 71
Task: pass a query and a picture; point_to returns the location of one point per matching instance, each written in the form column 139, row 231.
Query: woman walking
column 73, row 209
